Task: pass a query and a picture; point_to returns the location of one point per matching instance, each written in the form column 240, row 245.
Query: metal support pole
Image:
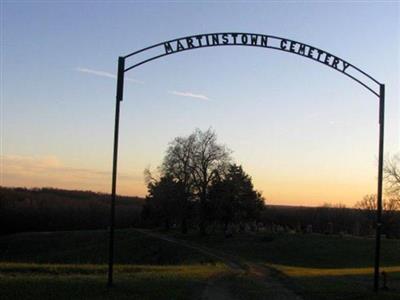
column 380, row 182
column 120, row 88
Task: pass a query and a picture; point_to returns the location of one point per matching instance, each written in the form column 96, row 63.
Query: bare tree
column 392, row 182
column 178, row 163
column 390, row 217
column 392, row 176
column 148, row 176
column 210, row 159
column 194, row 161
column 369, row 203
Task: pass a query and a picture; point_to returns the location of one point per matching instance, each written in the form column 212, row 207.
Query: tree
column 162, row 202
column 191, row 162
column 209, row 160
column 390, row 216
column 178, row 164
column 234, row 199
column 369, row 203
column 197, row 173
column 392, row 181
column 392, row 176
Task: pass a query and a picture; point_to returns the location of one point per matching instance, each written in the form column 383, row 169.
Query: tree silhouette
column 196, row 173
column 177, row 164
column 208, row 161
column 392, row 177
column 163, row 200
column 234, row 199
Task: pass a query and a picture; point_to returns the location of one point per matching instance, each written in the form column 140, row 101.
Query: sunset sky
column 305, row 133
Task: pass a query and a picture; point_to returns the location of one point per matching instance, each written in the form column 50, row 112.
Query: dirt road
column 218, row 289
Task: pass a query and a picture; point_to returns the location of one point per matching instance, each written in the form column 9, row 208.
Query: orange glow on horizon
column 278, row 190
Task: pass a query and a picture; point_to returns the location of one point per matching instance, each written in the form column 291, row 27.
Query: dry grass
column 312, row 272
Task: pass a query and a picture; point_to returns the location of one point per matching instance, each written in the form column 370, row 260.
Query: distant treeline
column 301, row 219
column 329, row 220
column 50, row 209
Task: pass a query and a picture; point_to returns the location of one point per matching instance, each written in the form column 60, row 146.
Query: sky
column 305, row 133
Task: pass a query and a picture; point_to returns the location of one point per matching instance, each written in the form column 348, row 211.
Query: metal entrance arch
column 250, row 40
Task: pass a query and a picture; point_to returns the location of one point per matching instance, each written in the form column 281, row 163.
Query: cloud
column 189, row 94
column 106, row 74
column 113, row 76
column 40, row 171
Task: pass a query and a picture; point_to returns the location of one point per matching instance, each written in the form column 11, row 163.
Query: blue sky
column 306, row 133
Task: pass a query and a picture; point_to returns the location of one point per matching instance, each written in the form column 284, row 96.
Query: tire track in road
column 216, row 289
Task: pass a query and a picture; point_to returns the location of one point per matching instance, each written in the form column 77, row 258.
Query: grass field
column 317, row 266
column 90, row 247
column 33, row 281
column 302, row 250
column 72, row 265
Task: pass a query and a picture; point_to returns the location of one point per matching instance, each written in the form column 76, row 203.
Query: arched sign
column 254, row 40
column 205, row 40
